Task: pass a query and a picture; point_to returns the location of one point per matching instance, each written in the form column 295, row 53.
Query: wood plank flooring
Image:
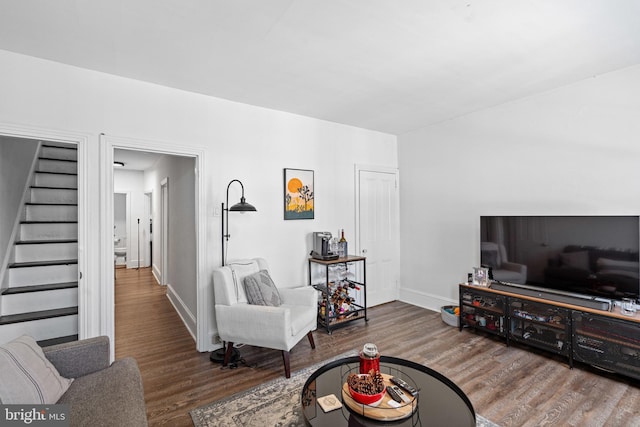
column 509, row 385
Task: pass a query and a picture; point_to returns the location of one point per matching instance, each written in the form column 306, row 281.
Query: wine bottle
column 343, row 244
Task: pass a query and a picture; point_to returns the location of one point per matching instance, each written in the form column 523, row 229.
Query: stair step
column 38, row 315
column 43, row 263
column 44, row 242
column 50, row 204
column 42, row 274
column 57, row 173
column 58, row 160
column 58, row 340
column 61, row 153
column 45, row 252
column 54, row 165
column 42, row 329
column 24, row 302
column 48, row 222
column 51, row 212
column 48, row 230
column 48, row 187
column 53, row 195
column 39, row 288
column 50, row 144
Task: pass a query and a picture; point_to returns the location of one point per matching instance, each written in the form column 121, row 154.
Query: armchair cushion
column 27, row 376
column 261, row 290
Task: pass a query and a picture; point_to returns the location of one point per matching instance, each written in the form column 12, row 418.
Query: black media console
column 607, row 339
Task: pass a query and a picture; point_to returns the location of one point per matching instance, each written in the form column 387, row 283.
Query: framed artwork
column 298, row 194
column 481, row 276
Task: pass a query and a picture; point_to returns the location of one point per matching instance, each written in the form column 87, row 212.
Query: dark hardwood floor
column 511, row 386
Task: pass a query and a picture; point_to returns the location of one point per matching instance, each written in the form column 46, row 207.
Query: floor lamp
column 242, row 206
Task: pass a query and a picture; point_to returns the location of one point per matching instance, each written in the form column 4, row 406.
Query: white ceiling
column 392, row 66
column 135, row 160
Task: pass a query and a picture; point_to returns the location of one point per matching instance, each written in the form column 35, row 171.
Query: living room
column 565, row 145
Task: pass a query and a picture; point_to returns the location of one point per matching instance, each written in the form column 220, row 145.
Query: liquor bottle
column 343, row 244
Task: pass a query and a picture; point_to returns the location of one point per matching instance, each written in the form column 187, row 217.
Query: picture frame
column 299, row 194
column 480, row 276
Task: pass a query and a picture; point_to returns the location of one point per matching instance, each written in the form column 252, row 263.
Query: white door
column 378, row 231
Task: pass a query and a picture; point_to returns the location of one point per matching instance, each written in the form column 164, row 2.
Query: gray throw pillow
column 261, row 290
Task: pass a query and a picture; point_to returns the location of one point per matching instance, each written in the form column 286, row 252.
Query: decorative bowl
column 366, row 399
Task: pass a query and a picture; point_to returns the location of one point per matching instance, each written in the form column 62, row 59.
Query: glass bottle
column 343, row 244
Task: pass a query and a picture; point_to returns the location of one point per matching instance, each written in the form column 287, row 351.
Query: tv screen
column 592, row 255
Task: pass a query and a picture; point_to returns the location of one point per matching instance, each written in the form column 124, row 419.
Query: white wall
column 239, row 141
column 570, row 151
column 16, row 159
column 182, row 269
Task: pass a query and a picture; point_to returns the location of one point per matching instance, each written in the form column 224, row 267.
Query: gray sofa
column 101, row 394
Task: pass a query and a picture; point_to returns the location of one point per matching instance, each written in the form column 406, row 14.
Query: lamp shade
column 243, row 206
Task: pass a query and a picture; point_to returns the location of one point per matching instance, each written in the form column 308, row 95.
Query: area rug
column 275, row 403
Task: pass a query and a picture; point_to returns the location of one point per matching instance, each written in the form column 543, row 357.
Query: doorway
column 192, row 309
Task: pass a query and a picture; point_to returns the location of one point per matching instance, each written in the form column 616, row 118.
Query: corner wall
column 570, row 151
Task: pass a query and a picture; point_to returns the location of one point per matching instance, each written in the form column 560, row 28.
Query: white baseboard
column 156, row 273
column 425, row 300
column 183, row 311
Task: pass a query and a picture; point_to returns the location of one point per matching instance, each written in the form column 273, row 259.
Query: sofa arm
column 79, row 358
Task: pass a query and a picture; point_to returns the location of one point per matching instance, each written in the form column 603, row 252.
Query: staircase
column 40, row 289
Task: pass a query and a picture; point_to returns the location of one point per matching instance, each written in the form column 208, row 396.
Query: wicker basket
column 449, row 318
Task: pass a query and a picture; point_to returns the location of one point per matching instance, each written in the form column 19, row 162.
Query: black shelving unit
column 343, row 290
column 483, row 311
column 540, row 325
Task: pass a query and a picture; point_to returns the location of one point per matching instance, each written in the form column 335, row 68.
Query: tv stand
column 608, row 340
column 596, row 303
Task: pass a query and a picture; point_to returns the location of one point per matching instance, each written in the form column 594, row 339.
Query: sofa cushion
column 110, row 397
column 27, row 376
column 261, row 290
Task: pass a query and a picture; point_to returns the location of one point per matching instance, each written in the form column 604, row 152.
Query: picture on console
column 593, row 255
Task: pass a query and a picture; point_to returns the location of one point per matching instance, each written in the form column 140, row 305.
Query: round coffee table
column 439, row 401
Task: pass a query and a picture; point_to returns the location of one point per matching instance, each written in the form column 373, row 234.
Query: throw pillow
column 261, row 290
column 239, row 270
column 27, row 375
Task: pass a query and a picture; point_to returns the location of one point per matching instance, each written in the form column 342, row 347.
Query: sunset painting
column 298, row 194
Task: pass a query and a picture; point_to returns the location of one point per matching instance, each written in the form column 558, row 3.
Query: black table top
column 440, row 401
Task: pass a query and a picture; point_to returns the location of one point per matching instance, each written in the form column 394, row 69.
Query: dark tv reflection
column 592, row 255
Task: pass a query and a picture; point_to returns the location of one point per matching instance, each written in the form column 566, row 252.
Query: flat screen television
column 588, row 255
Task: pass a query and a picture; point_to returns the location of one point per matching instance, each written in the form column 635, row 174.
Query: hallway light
column 241, row 206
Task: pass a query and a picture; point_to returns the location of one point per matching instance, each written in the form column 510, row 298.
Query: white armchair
column 279, row 328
